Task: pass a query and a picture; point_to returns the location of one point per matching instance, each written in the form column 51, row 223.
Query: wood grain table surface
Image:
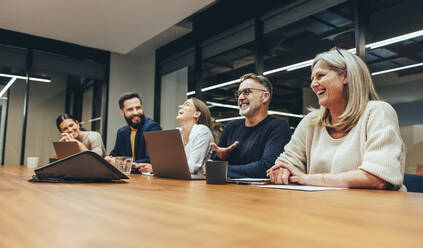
column 153, row 212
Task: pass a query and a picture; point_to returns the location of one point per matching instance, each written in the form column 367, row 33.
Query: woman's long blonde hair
column 359, row 88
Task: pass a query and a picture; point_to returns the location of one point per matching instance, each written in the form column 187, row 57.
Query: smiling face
column 249, row 103
column 71, row 127
column 187, row 112
column 329, row 86
column 133, row 112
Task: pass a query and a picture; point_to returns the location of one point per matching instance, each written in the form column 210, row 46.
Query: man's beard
column 253, row 106
column 135, row 125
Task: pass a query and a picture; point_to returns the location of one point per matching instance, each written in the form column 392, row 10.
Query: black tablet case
column 85, row 166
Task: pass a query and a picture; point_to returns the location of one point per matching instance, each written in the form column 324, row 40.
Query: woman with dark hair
column 87, row 140
column 195, row 120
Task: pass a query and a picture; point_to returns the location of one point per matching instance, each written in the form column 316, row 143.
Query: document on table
column 300, row 187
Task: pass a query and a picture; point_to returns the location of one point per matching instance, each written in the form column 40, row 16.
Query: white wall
column 174, row 92
column 127, row 74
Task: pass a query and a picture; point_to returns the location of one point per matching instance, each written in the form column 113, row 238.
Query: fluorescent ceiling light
column 216, row 104
column 395, row 39
column 230, row 119
column 353, row 50
column 397, row 69
column 275, row 70
column 4, row 90
column 310, row 62
column 22, row 77
column 220, row 85
column 271, row 112
column 300, row 65
column 190, row 93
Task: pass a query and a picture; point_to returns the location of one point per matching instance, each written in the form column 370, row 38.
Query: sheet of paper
column 300, row 187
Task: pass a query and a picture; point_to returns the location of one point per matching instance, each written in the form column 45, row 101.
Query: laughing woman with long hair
column 196, row 125
column 353, row 140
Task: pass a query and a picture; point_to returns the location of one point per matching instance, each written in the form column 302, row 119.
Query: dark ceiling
column 303, row 39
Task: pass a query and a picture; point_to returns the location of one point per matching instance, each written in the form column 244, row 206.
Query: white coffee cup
column 32, row 162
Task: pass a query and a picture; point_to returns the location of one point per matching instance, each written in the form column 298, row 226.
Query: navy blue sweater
column 258, row 147
column 123, row 141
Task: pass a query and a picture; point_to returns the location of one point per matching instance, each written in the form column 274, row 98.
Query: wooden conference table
column 154, row 212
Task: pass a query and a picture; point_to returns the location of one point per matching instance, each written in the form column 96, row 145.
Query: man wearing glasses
column 252, row 145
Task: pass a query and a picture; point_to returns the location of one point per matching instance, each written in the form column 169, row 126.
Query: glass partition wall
column 13, row 62
column 395, row 58
column 280, row 43
column 177, row 80
column 29, row 107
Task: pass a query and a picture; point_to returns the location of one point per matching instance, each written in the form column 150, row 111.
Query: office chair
column 414, row 183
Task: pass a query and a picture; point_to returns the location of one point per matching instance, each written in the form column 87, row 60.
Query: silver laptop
column 167, row 154
column 65, row 149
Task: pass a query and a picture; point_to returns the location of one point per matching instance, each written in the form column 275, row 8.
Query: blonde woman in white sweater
column 353, row 140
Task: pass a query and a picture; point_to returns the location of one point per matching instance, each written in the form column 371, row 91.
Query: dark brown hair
column 128, row 96
column 62, row 117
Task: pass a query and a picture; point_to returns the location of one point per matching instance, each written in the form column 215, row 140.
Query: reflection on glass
column 395, row 58
column 226, row 67
column 289, row 51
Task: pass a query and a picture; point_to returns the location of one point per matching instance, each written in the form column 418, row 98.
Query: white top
column 198, row 147
column 93, row 141
column 373, row 145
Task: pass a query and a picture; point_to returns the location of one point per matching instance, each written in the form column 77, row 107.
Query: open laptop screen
column 65, row 149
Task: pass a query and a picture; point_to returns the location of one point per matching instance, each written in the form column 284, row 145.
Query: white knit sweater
column 198, row 147
column 373, row 145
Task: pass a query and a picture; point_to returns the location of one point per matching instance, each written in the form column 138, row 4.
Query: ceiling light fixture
column 22, row 77
column 307, row 63
column 397, row 69
column 230, row 119
column 353, row 50
column 216, row 104
column 310, row 62
column 395, row 39
column 190, row 93
column 220, row 85
column 271, row 112
column 4, row 90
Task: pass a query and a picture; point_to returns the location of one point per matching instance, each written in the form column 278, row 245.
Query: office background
column 203, row 54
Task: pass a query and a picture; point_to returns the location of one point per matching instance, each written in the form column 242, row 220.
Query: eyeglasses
column 246, row 92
